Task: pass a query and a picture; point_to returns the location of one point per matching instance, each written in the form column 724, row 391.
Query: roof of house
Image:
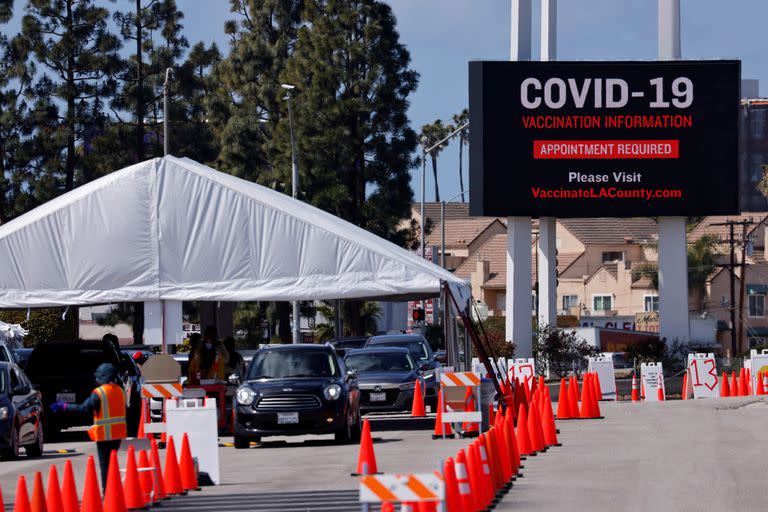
column 708, row 226
column 452, row 211
column 461, row 232
column 611, row 268
column 605, row 230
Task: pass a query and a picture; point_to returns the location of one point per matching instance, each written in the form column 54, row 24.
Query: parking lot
column 640, row 457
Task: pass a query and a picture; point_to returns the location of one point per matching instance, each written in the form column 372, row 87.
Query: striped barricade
column 414, row 488
column 161, row 390
column 467, row 380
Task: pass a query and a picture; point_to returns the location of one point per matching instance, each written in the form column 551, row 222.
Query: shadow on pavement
column 385, row 424
column 304, row 501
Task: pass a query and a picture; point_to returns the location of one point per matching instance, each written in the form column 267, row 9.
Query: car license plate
column 287, row 418
column 65, row 397
column 378, row 397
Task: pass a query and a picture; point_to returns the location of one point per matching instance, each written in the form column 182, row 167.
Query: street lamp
column 294, row 191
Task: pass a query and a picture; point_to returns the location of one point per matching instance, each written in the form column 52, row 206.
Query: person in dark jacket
column 107, row 403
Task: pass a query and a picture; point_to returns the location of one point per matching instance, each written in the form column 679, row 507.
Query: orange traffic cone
column 172, row 476
column 514, row 451
column 660, row 389
column 469, row 428
column 573, row 390
column 523, row 436
column 724, row 388
column 21, row 504
column 441, row 430
column 38, row 495
column 596, row 383
column 635, row 393
column 452, row 496
column 132, row 491
column 366, row 460
column 142, row 420
column 91, row 492
column 563, row 411
column 760, row 383
column 734, row 384
column 743, row 387
column 535, row 430
column 491, row 414
column 486, row 467
column 418, row 411
column 114, row 499
column 685, row 386
column 160, row 493
column 465, row 487
column 146, row 478
column 68, row 489
column 586, row 389
column 53, row 499
column 750, row 391
column 550, row 431
column 187, row 466
column 477, row 477
column 595, row 406
column 503, row 450
column 486, row 440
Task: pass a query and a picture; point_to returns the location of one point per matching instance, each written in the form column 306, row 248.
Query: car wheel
column 242, row 443
column 36, row 450
column 12, row 452
column 344, row 436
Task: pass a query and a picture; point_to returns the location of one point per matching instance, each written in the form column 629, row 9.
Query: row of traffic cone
column 137, row 491
column 742, row 386
column 568, row 401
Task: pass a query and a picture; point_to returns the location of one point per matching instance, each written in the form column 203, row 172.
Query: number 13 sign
column 702, row 376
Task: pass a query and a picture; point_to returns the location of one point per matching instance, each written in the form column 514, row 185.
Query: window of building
column 651, row 303
column 570, row 301
column 613, row 256
column 501, row 301
column 756, row 305
column 602, row 302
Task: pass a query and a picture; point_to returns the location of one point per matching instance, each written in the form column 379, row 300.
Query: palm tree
column 460, row 120
column 431, row 134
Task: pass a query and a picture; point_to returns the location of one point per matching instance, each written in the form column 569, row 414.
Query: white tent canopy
column 12, row 333
column 174, row 229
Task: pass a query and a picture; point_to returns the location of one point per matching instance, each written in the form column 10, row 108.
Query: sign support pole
column 673, row 258
column 518, row 301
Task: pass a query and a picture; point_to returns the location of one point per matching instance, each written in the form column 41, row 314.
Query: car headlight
column 245, row 396
column 3, row 413
column 332, row 392
column 407, row 385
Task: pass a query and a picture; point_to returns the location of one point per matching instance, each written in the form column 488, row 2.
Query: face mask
column 209, row 346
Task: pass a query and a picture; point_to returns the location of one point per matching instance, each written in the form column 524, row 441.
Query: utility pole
column 736, row 340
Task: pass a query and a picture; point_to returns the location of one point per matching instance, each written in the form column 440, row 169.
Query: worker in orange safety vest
column 107, row 403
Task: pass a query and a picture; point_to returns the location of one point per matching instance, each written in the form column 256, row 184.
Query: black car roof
column 370, row 350
column 296, row 346
column 396, row 337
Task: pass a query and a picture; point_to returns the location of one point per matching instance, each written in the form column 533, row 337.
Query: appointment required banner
column 614, row 139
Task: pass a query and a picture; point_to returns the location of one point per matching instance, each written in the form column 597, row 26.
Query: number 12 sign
column 702, row 376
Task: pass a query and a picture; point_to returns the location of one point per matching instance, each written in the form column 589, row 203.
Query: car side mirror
column 234, row 379
column 21, row 390
column 351, row 374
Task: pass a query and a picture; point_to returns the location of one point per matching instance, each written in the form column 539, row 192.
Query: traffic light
column 418, row 315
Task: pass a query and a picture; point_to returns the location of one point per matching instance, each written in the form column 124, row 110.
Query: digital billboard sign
column 604, row 139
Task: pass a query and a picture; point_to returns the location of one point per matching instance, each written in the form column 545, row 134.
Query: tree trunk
column 434, row 173
column 461, row 169
column 353, row 317
column 139, row 88
column 69, row 169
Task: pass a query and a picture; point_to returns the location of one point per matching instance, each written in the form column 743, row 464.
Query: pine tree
column 78, row 57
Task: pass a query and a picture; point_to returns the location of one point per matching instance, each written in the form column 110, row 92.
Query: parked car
column 386, row 377
column 63, row 371
column 422, row 353
column 8, row 354
column 21, row 414
column 294, row 390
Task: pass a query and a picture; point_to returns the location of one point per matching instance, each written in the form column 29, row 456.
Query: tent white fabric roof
column 11, row 333
column 174, row 229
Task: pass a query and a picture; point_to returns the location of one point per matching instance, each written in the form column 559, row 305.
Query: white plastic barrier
column 702, row 376
column 199, row 419
column 523, row 369
column 759, row 364
column 652, row 376
column 603, row 366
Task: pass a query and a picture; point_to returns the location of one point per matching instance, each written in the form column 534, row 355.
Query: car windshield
column 380, row 362
column 415, row 347
column 286, row 364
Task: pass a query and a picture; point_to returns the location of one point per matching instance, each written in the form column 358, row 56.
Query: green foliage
column 431, row 134
column 44, row 324
column 435, row 336
column 648, row 352
column 495, row 329
column 461, row 119
column 560, row 350
column 369, row 312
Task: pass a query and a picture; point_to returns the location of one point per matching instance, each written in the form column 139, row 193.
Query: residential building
column 753, row 153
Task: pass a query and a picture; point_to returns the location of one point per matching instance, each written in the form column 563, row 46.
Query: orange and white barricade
column 164, row 391
column 471, row 381
column 413, row 488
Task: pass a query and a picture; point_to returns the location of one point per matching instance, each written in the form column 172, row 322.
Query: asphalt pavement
column 677, row 455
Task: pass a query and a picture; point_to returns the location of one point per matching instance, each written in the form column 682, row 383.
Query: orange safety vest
column 109, row 420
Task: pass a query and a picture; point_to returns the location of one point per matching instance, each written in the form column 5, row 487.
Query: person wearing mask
column 208, row 361
column 235, row 362
column 107, row 403
column 195, row 341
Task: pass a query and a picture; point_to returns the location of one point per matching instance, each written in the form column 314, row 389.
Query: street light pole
column 294, row 193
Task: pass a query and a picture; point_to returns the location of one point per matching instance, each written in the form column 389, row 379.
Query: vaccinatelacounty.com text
column 647, row 194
